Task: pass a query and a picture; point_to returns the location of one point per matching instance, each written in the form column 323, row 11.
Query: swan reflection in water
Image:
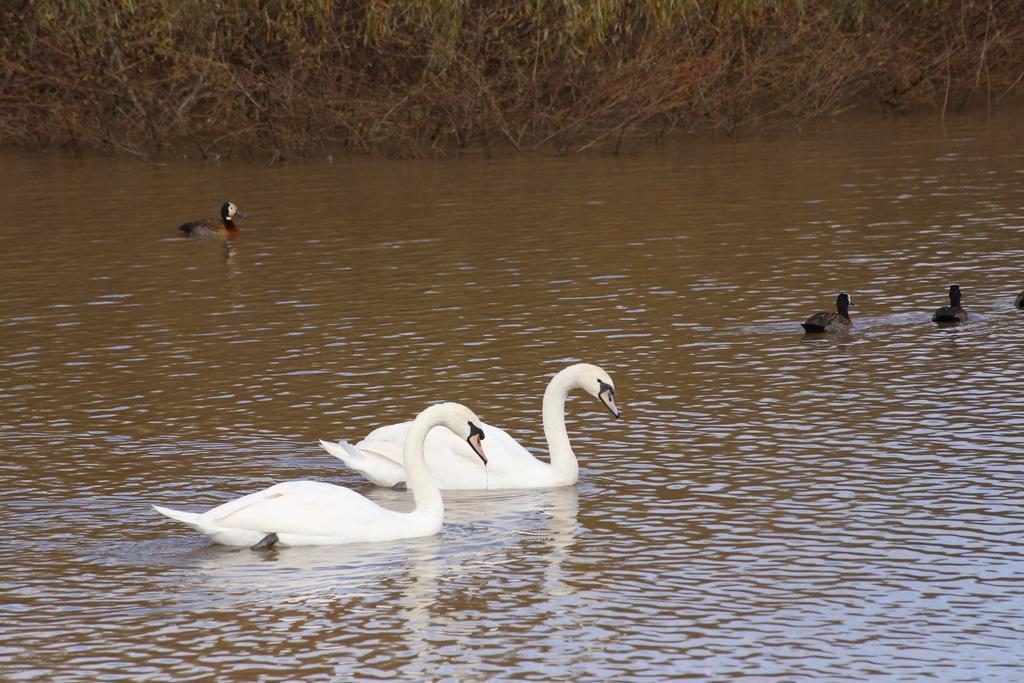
column 484, row 530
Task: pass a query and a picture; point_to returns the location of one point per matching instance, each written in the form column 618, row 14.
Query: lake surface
column 771, row 506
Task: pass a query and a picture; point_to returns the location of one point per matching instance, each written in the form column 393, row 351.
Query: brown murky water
column 771, row 507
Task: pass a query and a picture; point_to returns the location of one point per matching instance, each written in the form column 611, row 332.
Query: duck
column 210, row 227
column 298, row 513
column 510, row 465
column 1019, row 301
column 832, row 322
column 952, row 313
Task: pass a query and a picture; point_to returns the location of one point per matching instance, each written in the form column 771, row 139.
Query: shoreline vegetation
column 279, row 79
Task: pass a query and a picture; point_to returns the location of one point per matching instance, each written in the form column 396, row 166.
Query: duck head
column 229, row 211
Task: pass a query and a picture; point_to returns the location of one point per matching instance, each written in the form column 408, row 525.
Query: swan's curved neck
column 563, row 460
column 417, row 476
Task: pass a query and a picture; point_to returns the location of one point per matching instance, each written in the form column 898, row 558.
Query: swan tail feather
column 343, row 451
column 374, row 467
column 190, row 518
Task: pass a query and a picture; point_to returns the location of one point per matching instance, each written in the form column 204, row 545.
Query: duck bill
column 241, row 214
column 608, row 399
column 478, row 448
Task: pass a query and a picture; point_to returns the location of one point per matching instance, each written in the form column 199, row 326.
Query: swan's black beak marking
column 606, row 392
column 476, row 435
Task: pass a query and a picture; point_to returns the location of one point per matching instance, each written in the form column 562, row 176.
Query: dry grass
column 283, row 79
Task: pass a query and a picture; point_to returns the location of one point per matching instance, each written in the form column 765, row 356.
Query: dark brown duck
column 953, row 313
column 832, row 322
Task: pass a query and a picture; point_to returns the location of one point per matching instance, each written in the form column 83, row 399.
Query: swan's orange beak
column 476, row 436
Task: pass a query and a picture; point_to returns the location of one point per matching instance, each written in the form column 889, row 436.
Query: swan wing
column 387, row 441
column 306, row 508
column 374, row 467
column 509, row 464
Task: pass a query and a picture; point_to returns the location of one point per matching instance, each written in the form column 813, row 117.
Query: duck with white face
column 509, row 465
column 209, row 227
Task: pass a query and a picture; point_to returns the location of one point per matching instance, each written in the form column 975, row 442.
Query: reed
column 284, row 79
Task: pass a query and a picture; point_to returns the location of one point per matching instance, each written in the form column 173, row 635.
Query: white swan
column 314, row 513
column 509, row 465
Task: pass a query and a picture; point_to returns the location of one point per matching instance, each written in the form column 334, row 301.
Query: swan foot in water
column 267, row 543
column 400, row 486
